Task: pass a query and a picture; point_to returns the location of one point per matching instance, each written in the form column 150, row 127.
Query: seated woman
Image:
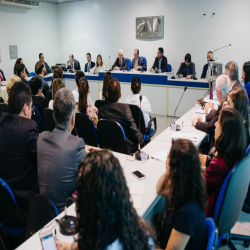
column 20, row 61
column 106, row 216
column 246, row 77
column 230, row 146
column 83, row 105
column 135, row 99
column 184, row 224
column 237, row 98
column 9, row 84
column 56, row 85
column 108, row 76
column 99, row 65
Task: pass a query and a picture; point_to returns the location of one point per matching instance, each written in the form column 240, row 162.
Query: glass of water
column 144, row 158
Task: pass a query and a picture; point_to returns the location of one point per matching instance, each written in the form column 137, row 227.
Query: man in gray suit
column 59, row 153
column 73, row 64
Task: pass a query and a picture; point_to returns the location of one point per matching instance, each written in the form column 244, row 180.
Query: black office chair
column 4, row 108
column 111, row 136
column 41, row 211
column 100, row 103
column 86, row 129
column 147, row 132
column 1, row 100
column 49, row 123
column 36, row 116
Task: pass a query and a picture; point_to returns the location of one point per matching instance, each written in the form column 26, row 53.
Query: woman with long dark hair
column 246, row 77
column 108, row 76
column 57, row 84
column 183, row 185
column 18, row 62
column 230, row 146
column 107, row 219
column 83, row 106
column 99, row 65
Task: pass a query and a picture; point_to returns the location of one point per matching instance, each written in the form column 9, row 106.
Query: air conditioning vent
column 21, row 3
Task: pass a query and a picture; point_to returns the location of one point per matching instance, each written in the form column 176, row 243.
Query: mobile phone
column 48, row 241
column 139, row 175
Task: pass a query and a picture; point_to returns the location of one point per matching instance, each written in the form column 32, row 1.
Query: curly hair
column 185, row 179
column 104, row 209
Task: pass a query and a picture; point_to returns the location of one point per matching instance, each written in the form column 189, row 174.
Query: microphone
column 178, row 128
column 139, row 152
column 110, row 64
column 222, row 48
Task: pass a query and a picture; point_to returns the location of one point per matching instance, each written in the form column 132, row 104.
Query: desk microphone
column 178, row 128
column 221, row 48
column 139, row 152
column 110, row 64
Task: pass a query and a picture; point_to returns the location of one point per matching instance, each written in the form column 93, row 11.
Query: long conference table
column 153, row 169
column 162, row 92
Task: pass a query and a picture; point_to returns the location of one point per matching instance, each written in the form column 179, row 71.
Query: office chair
column 49, row 123
column 128, row 64
column 211, row 233
column 169, row 67
column 145, row 60
column 36, row 116
column 32, row 74
column 4, row 108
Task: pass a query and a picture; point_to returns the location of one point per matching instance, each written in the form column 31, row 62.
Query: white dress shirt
column 145, row 105
column 76, row 96
column 99, row 68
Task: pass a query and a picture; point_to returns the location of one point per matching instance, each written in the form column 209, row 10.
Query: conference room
column 124, row 124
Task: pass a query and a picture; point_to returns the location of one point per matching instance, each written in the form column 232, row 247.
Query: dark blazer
column 40, row 103
column 24, row 80
column 45, row 86
column 139, row 63
column 76, row 65
column 86, row 66
column 164, row 64
column 191, row 70
column 204, row 71
column 117, row 63
column 58, row 157
column 2, row 75
column 209, row 126
column 18, row 150
column 121, row 113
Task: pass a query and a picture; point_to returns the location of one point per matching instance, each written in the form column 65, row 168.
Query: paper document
column 214, row 101
column 137, row 188
column 160, row 156
column 137, row 201
column 200, row 111
column 188, row 136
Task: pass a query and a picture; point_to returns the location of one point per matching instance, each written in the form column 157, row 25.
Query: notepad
column 160, row 156
column 137, row 201
column 188, row 136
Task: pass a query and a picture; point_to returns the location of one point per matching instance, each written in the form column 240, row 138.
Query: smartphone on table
column 139, row 175
column 48, row 241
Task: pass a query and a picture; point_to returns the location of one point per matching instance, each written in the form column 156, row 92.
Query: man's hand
column 194, row 121
column 139, row 67
column 181, row 76
column 73, row 70
column 69, row 63
column 90, row 149
column 208, row 106
column 156, row 70
column 199, row 118
column 188, row 76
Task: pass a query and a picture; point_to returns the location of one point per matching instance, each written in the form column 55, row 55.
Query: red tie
column 1, row 78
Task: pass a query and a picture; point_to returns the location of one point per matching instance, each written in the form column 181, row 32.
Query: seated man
column 207, row 123
column 48, row 69
column 59, row 153
column 37, row 96
column 41, row 72
column 2, row 77
column 187, row 68
column 18, row 148
column 121, row 62
column 207, row 71
column 119, row 112
column 89, row 65
column 73, row 64
column 138, row 62
column 161, row 62
column 21, row 73
column 79, row 74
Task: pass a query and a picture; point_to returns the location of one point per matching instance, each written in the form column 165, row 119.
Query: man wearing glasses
column 161, row 62
column 41, row 58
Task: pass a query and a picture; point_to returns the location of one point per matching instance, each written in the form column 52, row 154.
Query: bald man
column 73, row 64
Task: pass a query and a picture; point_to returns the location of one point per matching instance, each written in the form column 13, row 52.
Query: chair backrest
column 4, row 108
column 32, row 74
column 135, row 110
column 232, row 195
column 49, row 123
column 169, row 66
column 8, row 203
column 36, row 116
column 41, row 211
column 86, row 129
column 247, row 150
column 111, row 136
column 246, row 206
column 211, row 233
column 100, row 103
column 128, row 64
column 145, row 60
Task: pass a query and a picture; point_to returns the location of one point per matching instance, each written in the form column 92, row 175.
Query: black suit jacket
column 24, row 80
column 191, row 70
column 86, row 66
column 76, row 65
column 164, row 64
column 40, row 103
column 2, row 75
column 121, row 113
column 204, row 71
column 117, row 63
column 18, row 150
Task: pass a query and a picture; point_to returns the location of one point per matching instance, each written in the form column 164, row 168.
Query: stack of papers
column 188, row 136
column 160, row 156
column 136, row 192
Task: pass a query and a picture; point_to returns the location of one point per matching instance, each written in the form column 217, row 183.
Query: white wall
column 33, row 31
column 99, row 26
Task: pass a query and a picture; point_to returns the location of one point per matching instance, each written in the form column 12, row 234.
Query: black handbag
column 210, row 156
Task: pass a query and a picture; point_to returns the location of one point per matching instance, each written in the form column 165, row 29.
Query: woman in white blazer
column 99, row 65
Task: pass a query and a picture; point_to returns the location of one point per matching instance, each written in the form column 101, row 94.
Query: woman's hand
column 60, row 245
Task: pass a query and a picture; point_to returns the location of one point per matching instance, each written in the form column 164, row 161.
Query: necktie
column 1, row 78
column 120, row 63
column 159, row 64
column 135, row 64
column 88, row 70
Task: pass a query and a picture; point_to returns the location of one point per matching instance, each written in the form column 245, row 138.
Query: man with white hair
column 120, row 62
column 207, row 123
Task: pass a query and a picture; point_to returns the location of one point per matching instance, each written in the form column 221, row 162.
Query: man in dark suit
column 41, row 58
column 161, row 62
column 205, row 74
column 89, row 65
column 21, row 73
column 18, row 148
column 2, row 77
column 187, row 68
column 59, row 153
column 120, row 62
column 119, row 112
column 73, row 64
column 138, row 62
column 41, row 72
